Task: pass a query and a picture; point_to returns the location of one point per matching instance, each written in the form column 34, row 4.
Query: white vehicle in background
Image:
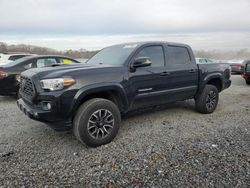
column 200, row 60
column 6, row 58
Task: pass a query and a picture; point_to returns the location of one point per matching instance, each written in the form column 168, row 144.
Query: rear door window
column 178, row 55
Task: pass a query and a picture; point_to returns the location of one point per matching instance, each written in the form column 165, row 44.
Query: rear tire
column 248, row 82
column 207, row 102
column 97, row 122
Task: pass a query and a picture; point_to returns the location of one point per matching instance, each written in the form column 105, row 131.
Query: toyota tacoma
column 91, row 98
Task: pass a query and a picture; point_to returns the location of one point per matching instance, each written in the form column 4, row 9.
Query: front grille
column 26, row 87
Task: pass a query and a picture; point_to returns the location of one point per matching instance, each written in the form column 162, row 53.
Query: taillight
column 3, row 74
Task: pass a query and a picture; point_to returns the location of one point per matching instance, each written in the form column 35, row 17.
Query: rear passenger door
column 183, row 72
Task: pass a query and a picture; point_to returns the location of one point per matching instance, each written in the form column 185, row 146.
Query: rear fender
column 204, row 82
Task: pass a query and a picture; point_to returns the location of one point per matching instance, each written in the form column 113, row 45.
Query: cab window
column 155, row 53
column 45, row 62
column 178, row 55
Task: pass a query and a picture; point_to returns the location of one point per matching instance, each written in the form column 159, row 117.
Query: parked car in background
column 6, row 58
column 237, row 66
column 91, row 97
column 246, row 72
column 10, row 73
column 203, row 60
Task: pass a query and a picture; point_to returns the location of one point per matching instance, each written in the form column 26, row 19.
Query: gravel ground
column 170, row 146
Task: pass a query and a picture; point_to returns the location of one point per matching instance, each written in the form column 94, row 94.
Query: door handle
column 192, row 71
column 164, row 73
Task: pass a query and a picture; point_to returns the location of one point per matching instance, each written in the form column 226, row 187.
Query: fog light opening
column 46, row 106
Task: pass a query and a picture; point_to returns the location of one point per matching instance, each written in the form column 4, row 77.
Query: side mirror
column 141, row 62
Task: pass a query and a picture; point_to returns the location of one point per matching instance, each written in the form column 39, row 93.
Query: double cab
column 91, row 98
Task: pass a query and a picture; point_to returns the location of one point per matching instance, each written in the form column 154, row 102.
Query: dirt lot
column 166, row 146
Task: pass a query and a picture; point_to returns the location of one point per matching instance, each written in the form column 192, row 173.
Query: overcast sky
column 93, row 24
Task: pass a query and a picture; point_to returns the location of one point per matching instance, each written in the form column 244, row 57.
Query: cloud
column 93, row 24
column 205, row 41
column 114, row 17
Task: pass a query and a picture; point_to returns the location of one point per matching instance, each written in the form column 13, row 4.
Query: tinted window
column 46, row 62
column 113, row 55
column 155, row 53
column 178, row 55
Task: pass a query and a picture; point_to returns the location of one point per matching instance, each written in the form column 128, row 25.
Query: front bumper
column 48, row 117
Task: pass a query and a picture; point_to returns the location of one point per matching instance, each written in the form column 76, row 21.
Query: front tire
column 97, row 122
column 207, row 102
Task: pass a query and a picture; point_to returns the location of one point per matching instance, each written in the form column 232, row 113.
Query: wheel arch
column 211, row 79
column 214, row 79
column 113, row 92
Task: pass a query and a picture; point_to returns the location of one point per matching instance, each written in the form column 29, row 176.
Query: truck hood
column 62, row 70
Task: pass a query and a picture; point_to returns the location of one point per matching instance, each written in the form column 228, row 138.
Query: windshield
column 16, row 62
column 114, row 55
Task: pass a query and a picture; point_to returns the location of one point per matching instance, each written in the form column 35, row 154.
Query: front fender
column 96, row 88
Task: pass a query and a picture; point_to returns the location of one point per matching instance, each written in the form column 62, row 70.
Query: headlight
column 56, row 83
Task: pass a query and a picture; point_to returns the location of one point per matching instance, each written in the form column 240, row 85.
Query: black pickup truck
column 90, row 98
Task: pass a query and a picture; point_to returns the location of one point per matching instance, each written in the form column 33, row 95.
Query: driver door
column 147, row 84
